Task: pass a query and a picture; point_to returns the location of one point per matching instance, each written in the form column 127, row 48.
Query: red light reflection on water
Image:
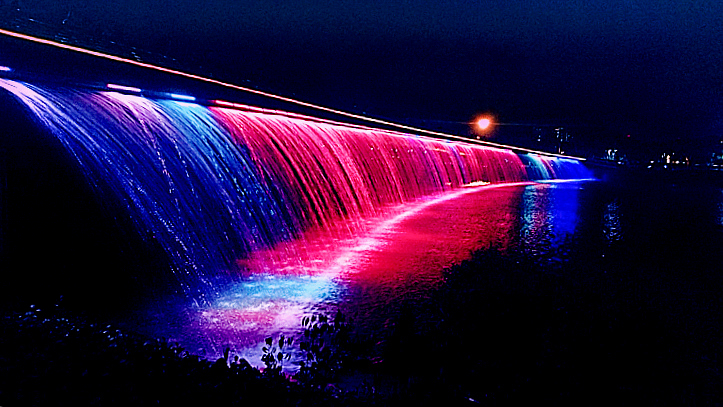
column 368, row 264
column 334, row 252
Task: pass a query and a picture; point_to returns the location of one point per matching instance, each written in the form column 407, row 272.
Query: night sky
column 602, row 68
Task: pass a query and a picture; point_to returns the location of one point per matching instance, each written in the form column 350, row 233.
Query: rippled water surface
column 370, row 270
column 654, row 245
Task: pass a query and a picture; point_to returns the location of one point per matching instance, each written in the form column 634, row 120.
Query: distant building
column 563, row 139
column 716, row 158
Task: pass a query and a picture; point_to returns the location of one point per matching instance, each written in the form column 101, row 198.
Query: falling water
column 224, row 191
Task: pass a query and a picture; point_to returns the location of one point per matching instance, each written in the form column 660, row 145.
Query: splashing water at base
column 402, row 256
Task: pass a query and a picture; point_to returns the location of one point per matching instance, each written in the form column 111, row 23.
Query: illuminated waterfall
column 211, row 184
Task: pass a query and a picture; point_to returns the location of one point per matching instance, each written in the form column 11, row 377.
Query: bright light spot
column 183, row 97
column 123, row 88
column 224, row 103
column 5, row 69
column 484, row 123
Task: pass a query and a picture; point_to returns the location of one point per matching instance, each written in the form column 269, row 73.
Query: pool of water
column 551, row 262
column 369, row 267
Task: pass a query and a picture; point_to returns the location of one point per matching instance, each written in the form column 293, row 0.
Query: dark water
column 605, row 288
column 579, row 291
column 580, row 285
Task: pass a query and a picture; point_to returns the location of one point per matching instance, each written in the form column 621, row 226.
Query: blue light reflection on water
column 549, row 216
column 612, row 222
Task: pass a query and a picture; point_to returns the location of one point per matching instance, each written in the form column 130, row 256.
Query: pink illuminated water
column 367, row 273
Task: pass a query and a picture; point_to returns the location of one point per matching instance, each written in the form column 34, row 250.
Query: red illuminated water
column 365, row 269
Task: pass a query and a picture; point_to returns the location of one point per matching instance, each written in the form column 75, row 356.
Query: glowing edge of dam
column 271, row 96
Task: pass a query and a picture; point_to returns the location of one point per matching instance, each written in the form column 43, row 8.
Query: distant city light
column 123, row 88
column 183, row 97
column 5, row 69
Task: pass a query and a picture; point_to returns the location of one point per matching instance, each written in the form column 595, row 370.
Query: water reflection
column 612, row 225
column 549, row 214
column 370, row 269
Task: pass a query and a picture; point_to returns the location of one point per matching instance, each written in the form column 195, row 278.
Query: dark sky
column 649, row 68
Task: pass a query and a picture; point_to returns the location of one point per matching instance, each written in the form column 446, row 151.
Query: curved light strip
column 123, row 88
column 270, row 95
column 256, row 109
